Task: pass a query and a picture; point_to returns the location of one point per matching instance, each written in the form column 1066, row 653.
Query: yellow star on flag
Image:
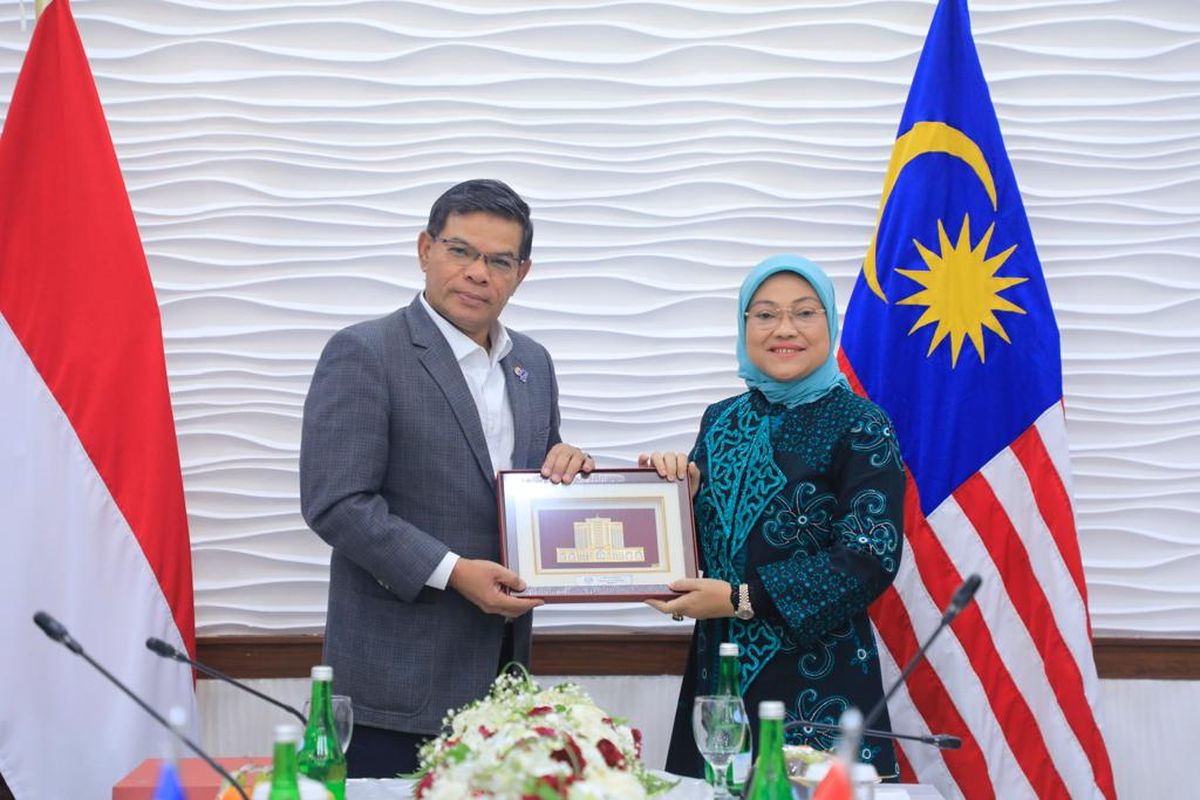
column 961, row 290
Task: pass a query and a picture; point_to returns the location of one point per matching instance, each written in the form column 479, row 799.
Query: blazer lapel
column 438, row 359
column 516, row 378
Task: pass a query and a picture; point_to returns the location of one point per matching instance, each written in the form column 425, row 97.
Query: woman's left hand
column 673, row 467
column 701, row 598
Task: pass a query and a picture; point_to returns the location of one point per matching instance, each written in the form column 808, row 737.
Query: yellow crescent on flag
column 922, row 138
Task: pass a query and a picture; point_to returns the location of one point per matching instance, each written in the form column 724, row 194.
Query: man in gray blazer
column 406, row 423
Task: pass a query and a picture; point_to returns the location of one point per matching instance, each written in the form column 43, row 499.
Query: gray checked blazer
column 394, row 472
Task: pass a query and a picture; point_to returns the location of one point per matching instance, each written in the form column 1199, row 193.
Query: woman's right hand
column 673, row 467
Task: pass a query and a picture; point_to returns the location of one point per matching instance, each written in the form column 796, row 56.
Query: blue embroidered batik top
column 805, row 505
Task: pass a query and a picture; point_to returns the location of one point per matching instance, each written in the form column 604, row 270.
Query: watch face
column 743, row 614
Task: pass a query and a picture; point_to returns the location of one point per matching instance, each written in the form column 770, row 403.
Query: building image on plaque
column 599, row 540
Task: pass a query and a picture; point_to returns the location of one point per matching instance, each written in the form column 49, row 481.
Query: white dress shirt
column 485, row 379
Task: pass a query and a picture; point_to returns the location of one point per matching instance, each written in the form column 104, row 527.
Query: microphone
column 941, row 741
column 55, row 630
column 166, row 650
column 962, row 598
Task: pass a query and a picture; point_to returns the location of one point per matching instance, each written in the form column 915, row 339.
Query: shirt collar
column 462, row 345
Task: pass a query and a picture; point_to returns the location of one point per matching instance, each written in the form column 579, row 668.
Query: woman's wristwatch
column 739, row 598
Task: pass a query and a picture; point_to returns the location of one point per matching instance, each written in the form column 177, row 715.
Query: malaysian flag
column 951, row 330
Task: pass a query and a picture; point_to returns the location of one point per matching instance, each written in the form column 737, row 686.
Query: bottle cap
column 178, row 717
column 851, row 721
column 322, row 672
column 729, row 649
column 770, row 709
column 286, row 733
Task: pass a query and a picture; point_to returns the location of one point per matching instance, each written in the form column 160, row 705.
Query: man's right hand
column 486, row 584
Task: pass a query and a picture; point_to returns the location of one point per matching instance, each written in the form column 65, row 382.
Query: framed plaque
column 616, row 534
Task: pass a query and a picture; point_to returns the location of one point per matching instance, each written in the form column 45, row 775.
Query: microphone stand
column 941, row 741
column 55, row 630
column 962, row 598
column 166, row 650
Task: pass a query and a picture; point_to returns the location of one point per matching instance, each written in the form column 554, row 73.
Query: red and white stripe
column 68, row 549
column 91, row 499
column 1017, row 678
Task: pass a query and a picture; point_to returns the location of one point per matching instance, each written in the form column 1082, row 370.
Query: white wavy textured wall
column 281, row 158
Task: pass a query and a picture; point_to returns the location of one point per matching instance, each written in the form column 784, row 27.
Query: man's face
column 468, row 292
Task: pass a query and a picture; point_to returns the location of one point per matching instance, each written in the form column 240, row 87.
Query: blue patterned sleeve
column 697, row 453
column 704, row 513
column 815, row 593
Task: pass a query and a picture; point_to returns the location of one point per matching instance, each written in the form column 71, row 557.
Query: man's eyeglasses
column 765, row 319
column 464, row 255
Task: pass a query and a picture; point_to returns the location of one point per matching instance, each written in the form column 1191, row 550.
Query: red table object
column 198, row 779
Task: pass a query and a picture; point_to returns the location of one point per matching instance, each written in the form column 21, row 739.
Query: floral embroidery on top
column 866, row 528
column 827, row 712
column 818, row 661
column 864, row 655
column 809, row 707
column 874, row 436
column 803, row 520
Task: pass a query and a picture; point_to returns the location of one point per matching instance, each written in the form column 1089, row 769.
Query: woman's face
column 787, row 335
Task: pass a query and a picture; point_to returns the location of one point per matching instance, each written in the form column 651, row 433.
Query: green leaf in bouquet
column 458, row 753
column 535, row 786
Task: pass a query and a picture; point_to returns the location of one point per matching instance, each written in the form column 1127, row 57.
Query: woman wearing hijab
column 799, row 516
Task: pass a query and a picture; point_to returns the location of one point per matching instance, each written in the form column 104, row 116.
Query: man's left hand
column 564, row 462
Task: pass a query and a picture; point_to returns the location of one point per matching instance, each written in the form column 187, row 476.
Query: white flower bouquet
column 527, row 743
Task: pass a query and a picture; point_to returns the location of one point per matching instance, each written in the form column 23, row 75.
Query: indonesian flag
column 951, row 330
column 91, row 500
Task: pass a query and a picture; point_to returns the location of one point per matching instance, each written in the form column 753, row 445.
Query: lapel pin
column 521, row 373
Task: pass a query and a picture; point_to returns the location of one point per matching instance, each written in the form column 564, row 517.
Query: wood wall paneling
column 652, row 654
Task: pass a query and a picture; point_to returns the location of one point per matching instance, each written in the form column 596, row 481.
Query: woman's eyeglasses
column 765, row 319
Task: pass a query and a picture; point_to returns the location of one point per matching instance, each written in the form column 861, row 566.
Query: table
column 687, row 789
column 201, row 783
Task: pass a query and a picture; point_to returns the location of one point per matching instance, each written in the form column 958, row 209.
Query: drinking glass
column 720, row 725
column 343, row 718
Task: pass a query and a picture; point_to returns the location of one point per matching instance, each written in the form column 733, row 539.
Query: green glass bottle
column 321, row 757
column 770, row 779
column 729, row 682
column 284, row 781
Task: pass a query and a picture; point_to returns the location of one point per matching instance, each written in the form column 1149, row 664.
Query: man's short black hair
column 486, row 195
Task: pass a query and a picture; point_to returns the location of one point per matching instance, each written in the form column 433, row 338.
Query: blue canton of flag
column 949, row 326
